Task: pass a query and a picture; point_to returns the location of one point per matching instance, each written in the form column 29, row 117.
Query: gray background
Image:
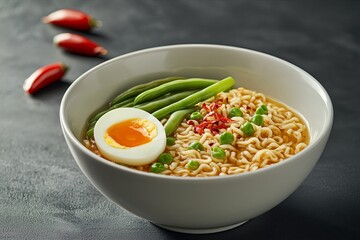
column 43, row 194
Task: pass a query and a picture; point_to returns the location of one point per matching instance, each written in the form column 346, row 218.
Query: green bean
column 92, row 125
column 152, row 106
column 134, row 91
column 126, row 103
column 195, row 98
column 175, row 119
column 90, row 133
column 176, row 85
column 90, row 130
column 148, row 106
column 97, row 116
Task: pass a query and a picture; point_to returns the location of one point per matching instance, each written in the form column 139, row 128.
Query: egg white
column 133, row 156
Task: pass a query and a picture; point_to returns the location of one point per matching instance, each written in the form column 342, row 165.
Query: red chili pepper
column 44, row 76
column 216, row 121
column 190, row 122
column 204, row 106
column 78, row 44
column 72, row 19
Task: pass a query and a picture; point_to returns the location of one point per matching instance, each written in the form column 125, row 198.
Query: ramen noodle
column 282, row 134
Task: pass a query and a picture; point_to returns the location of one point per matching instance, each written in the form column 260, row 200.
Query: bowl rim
column 323, row 134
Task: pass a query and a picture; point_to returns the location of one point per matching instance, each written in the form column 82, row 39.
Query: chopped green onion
column 170, row 141
column 218, row 153
column 196, row 146
column 196, row 116
column 262, row 110
column 165, row 158
column 157, row 167
column 247, row 129
column 193, row 165
column 235, row 112
column 258, row 119
column 226, row 138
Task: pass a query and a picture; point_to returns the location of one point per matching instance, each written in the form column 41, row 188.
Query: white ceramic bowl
column 197, row 205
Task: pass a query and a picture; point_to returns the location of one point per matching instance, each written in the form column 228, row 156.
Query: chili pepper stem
column 101, row 50
column 95, row 23
column 65, row 67
column 45, row 19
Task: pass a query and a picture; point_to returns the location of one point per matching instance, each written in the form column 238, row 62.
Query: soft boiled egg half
column 130, row 136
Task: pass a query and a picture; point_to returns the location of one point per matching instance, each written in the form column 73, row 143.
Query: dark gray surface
column 43, row 194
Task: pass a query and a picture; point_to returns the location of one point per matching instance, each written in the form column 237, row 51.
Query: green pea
column 258, row 119
column 193, row 165
column 262, row 110
column 170, row 141
column 226, row 138
column 218, row 153
column 165, row 158
column 196, row 146
column 235, row 112
column 247, row 129
column 157, row 167
column 196, row 116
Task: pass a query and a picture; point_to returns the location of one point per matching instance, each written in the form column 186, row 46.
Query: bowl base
column 200, row 230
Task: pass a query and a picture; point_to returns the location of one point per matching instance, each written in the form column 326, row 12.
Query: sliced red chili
column 191, row 122
column 78, row 44
column 212, row 120
column 204, row 106
column 44, row 76
column 73, row 19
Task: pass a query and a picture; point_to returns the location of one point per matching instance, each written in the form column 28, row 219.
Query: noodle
column 282, row 135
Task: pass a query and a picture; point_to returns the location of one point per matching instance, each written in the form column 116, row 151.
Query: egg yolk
column 131, row 132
